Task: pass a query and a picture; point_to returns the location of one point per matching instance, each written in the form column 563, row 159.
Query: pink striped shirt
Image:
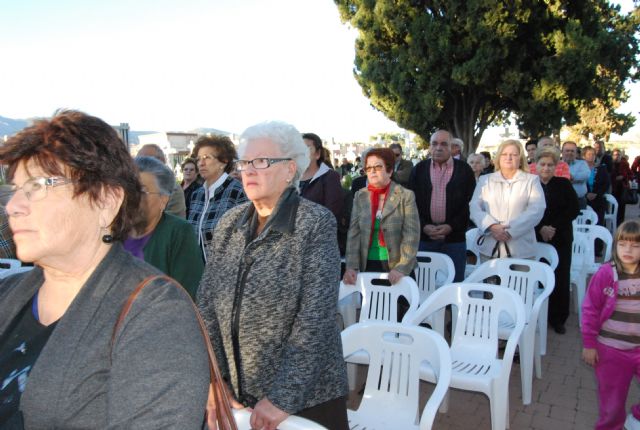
column 440, row 177
column 622, row 329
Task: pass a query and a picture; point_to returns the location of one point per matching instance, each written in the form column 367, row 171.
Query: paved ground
column 564, row 399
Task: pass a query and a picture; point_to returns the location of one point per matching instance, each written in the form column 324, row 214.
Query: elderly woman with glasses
column 507, row 205
column 384, row 234
column 65, row 362
column 219, row 193
column 159, row 238
column 269, row 292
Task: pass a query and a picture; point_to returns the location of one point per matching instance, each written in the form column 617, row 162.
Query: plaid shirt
column 226, row 196
column 7, row 247
column 440, row 177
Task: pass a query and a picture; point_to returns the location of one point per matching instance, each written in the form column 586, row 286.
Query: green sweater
column 173, row 249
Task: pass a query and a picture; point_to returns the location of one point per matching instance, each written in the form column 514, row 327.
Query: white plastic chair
column 525, row 278
column 547, row 254
column 379, row 303
column 588, row 235
column 433, row 271
column 395, row 355
column 611, row 213
column 472, row 247
column 10, row 267
column 476, row 365
column 579, row 257
column 9, row 263
column 292, row 422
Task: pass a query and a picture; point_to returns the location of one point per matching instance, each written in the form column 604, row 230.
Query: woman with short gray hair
column 165, row 241
column 269, row 292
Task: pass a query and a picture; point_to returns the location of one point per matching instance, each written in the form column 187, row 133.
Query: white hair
column 458, row 142
column 284, row 136
column 472, row 157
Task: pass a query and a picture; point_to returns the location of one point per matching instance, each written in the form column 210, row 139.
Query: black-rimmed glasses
column 258, row 163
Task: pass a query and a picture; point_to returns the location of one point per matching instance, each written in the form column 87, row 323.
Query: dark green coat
column 173, row 249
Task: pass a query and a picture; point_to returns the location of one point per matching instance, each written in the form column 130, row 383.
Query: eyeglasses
column 258, row 163
column 376, row 168
column 36, row 188
column 207, row 157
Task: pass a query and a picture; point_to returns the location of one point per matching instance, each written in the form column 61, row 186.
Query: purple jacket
column 599, row 303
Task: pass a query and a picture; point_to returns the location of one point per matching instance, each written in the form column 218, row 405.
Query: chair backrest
column 4, row 273
column 9, row 263
column 380, row 301
column 522, row 276
column 587, row 216
column 472, row 247
column 434, row 270
column 478, row 308
column 580, row 250
column 546, row 253
column 612, row 205
column 594, row 232
column 396, row 352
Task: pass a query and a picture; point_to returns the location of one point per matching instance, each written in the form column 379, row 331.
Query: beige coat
column 400, row 225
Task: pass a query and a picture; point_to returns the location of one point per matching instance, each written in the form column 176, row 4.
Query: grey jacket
column 155, row 376
column 279, row 293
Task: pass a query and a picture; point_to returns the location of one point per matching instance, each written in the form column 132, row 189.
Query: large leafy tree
column 468, row 64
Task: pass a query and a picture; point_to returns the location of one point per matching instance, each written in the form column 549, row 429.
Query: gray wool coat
column 270, row 304
column 155, row 376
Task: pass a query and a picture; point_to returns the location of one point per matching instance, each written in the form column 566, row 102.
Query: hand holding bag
column 224, row 416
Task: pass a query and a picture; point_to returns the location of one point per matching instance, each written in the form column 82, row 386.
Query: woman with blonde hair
column 507, row 205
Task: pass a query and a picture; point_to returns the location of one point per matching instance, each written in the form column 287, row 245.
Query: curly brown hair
column 86, row 150
column 226, row 151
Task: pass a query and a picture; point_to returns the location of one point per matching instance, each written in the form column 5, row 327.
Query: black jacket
column 459, row 192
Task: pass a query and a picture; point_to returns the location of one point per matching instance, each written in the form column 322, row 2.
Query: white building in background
column 177, row 145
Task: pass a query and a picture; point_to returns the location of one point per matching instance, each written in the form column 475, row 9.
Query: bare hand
column 500, row 233
column 590, row 356
column 266, row 416
column 591, row 196
column 444, row 229
column 350, row 277
column 547, row 232
column 395, row 276
column 211, row 406
column 429, row 229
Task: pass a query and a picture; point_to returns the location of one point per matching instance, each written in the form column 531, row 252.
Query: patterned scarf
column 374, row 194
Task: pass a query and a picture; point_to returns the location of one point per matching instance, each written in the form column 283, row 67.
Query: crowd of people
column 253, row 236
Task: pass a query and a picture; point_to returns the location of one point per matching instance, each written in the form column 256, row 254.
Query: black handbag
column 630, row 196
column 496, row 250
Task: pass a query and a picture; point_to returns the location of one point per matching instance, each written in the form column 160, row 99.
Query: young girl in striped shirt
column 611, row 327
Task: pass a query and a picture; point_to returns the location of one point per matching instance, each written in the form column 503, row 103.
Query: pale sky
column 177, row 65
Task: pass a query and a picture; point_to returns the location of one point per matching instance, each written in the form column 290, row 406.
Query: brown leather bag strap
column 224, row 416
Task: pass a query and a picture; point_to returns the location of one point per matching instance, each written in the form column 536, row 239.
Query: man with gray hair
column 457, row 145
column 443, row 187
column 176, row 205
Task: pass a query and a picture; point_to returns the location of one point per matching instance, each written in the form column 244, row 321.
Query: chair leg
column 499, row 404
column 444, row 406
column 581, row 289
column 526, row 368
column 352, row 375
column 537, row 357
column 542, row 327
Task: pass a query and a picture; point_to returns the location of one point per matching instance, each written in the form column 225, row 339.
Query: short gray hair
column 472, row 157
column 164, row 176
column 283, row 135
column 458, row 142
column 438, row 131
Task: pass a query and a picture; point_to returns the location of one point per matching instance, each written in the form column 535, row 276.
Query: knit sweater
column 270, row 304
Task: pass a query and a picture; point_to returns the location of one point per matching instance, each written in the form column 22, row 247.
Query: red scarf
column 375, row 194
